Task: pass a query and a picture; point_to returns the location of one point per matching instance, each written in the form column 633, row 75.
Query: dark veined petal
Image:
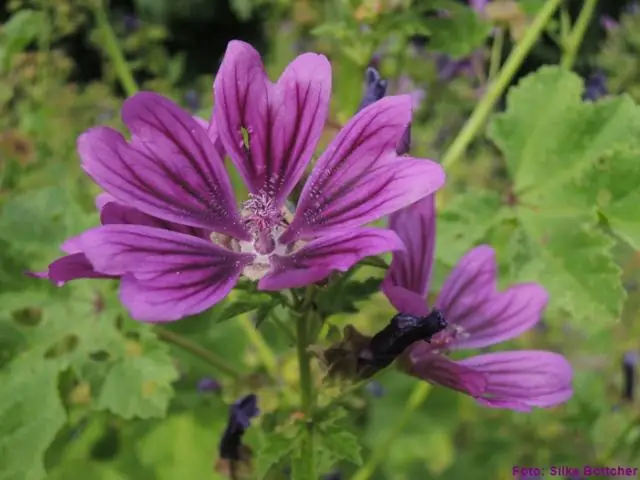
column 520, row 380
column 503, row 316
column 115, row 213
column 360, row 177
column 69, row 267
column 416, row 226
column 435, row 368
column 283, row 121
column 212, row 131
column 469, row 285
column 169, row 275
column 317, row 259
column 169, row 170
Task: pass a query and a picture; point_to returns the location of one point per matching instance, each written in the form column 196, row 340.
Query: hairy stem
column 497, row 88
column 211, row 358
column 307, row 393
column 574, row 39
column 113, row 50
column 417, row 398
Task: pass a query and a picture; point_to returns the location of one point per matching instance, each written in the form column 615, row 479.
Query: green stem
column 496, row 53
column 574, row 40
column 418, row 396
column 496, row 89
column 619, row 443
column 307, row 394
column 198, row 351
column 110, row 44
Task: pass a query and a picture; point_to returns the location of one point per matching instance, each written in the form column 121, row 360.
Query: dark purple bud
column 192, row 100
column 375, row 89
column 608, row 23
column 209, row 385
column 375, row 389
column 332, row 476
column 402, row 332
column 404, row 145
column 131, row 23
column 629, row 362
column 595, row 87
column 240, row 415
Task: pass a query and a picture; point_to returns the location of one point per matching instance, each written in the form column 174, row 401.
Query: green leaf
column 341, row 444
column 18, row 32
column 459, row 33
column 464, row 221
column 558, row 242
column 240, row 303
column 342, row 295
column 276, row 448
column 139, row 384
column 31, row 413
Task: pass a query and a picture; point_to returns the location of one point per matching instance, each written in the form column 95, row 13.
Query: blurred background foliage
column 94, row 407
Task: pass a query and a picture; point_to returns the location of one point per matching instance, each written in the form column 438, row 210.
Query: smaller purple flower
column 629, row 364
column 478, row 5
column 208, row 384
column 192, row 100
column 240, row 415
column 595, row 87
column 375, row 88
column 608, row 23
column 478, row 316
column 375, row 389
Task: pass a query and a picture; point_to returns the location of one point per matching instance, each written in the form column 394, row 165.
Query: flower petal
column 284, row 121
column 170, row 170
column 405, row 301
column 212, row 131
column 416, row 226
column 435, row 368
column 115, row 213
column 169, row 275
column 360, row 177
column 504, row 316
column 317, row 259
column 468, row 286
column 69, row 267
column 520, row 380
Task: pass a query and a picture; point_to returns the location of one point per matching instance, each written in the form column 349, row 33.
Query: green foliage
column 558, row 241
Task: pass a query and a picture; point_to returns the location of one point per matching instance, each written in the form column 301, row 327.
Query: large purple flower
column 172, row 171
column 478, row 316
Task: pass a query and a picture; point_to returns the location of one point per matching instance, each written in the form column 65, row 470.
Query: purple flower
column 207, row 384
column 172, row 169
column 478, row 316
column 595, row 86
column 478, row 5
column 240, row 415
column 629, row 363
column 608, row 23
column 376, row 89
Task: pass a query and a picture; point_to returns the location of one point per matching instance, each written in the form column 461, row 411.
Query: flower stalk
column 499, row 86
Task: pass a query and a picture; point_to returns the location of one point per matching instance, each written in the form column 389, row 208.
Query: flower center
column 263, row 219
column 442, row 341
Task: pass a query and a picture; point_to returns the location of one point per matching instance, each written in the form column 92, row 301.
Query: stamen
column 261, row 213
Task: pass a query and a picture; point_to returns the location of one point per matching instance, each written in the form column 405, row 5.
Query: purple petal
column 404, row 300
column 69, row 267
column 170, row 170
column 435, row 368
column 115, row 213
column 503, row 316
column 169, row 275
column 416, row 226
column 468, row 286
column 317, row 259
column 212, row 131
column 360, row 177
column 520, row 380
column 284, row 121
